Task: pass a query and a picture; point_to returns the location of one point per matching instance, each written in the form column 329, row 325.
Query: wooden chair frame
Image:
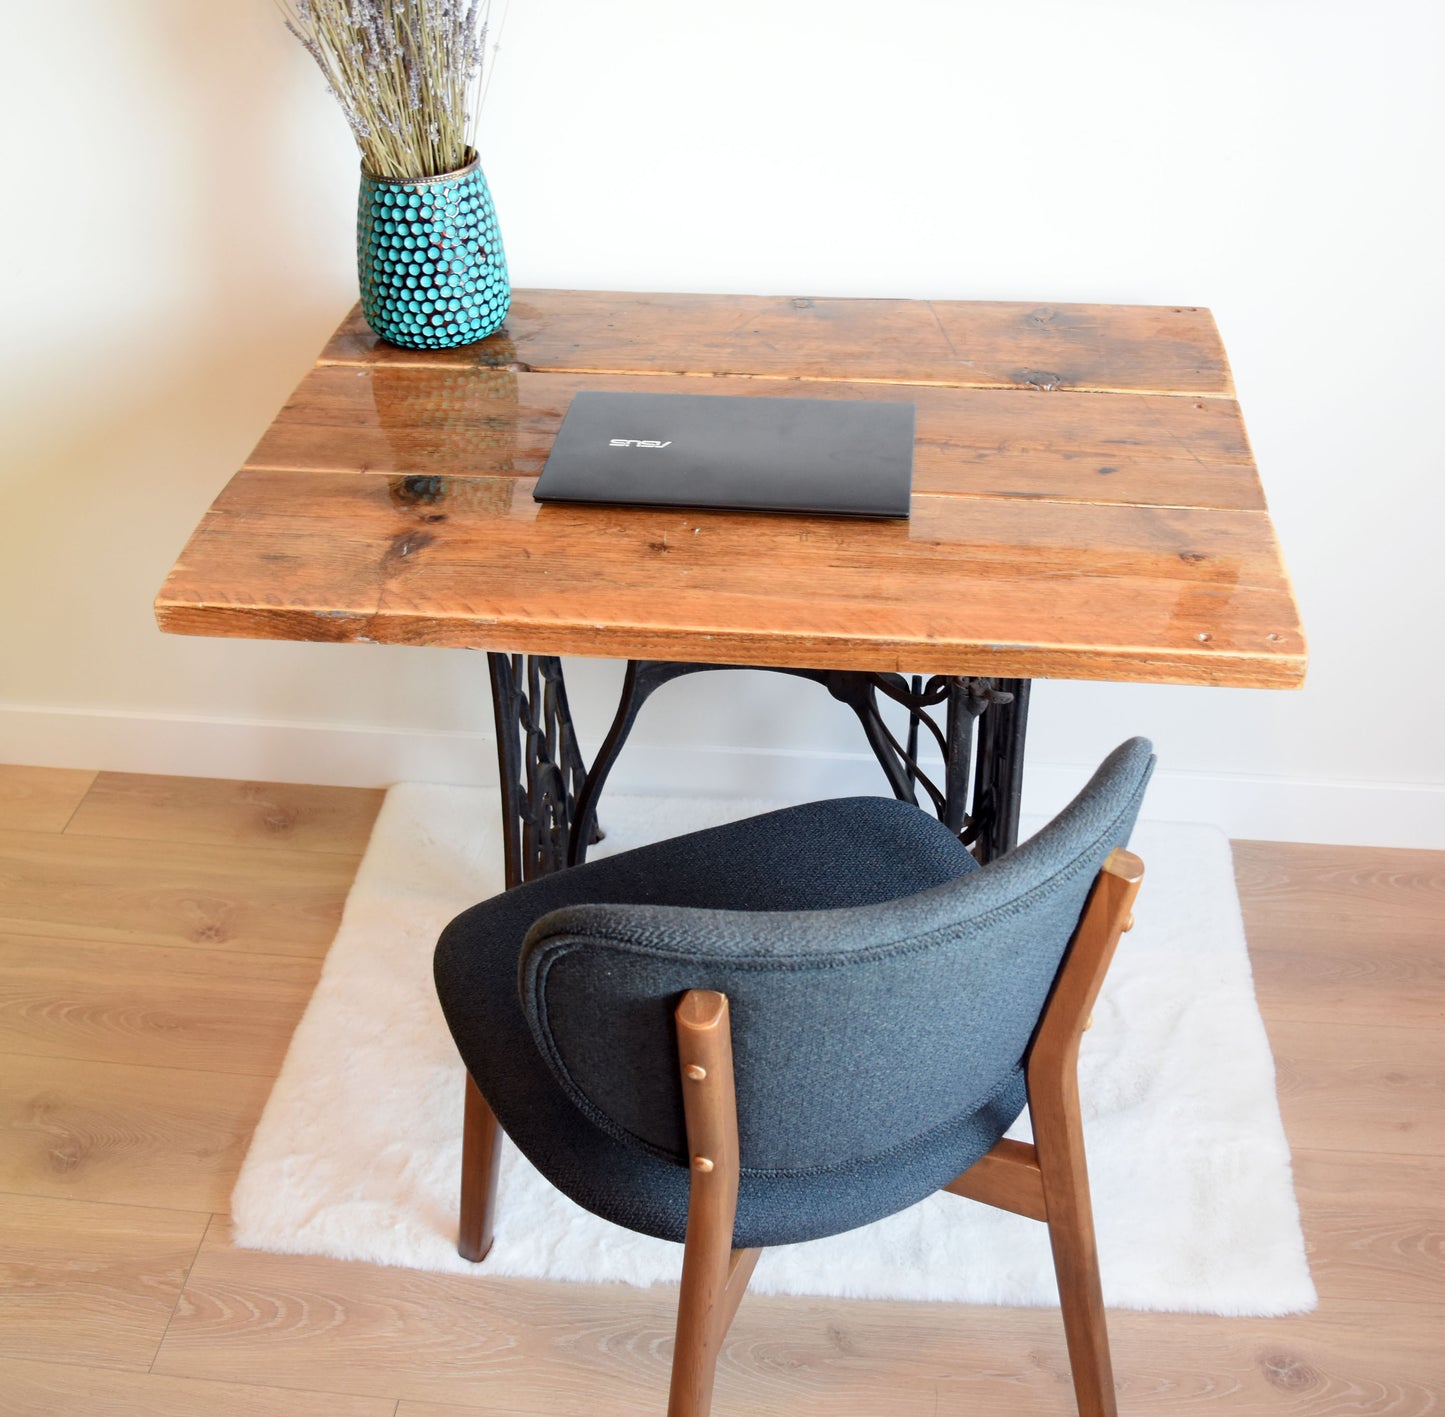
column 1046, row 1180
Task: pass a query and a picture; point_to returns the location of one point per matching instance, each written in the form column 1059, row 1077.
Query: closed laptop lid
column 844, row 457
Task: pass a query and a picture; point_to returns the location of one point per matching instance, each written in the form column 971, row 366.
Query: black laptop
column 841, row 457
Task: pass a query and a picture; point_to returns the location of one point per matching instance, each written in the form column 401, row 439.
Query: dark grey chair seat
column 884, row 991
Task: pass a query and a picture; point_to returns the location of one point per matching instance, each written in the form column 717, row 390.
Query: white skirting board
column 348, row 755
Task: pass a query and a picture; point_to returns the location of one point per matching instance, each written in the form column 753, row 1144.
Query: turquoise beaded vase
column 429, row 255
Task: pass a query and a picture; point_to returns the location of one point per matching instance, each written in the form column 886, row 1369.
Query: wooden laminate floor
column 159, row 938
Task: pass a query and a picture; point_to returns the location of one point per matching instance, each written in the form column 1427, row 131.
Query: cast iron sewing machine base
column 549, row 796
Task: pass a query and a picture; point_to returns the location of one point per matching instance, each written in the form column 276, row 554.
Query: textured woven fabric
column 883, row 991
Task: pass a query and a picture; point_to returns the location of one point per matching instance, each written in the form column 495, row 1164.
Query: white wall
column 177, row 245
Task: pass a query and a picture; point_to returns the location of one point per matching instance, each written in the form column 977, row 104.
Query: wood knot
column 417, row 491
column 64, row 1158
column 1040, row 379
column 1286, row 1372
column 408, row 544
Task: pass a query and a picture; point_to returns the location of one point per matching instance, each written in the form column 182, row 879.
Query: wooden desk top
column 1085, row 501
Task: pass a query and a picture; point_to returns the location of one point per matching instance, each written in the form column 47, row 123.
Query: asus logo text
column 638, row 443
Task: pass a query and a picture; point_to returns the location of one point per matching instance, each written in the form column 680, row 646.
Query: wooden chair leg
column 709, row 1297
column 1060, row 1145
column 1048, row 1181
column 714, row 1275
column 1053, row 1083
column 481, row 1164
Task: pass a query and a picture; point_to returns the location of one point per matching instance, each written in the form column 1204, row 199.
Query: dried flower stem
column 407, row 74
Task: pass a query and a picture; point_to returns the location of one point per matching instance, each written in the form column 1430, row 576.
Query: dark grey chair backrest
column 853, row 1030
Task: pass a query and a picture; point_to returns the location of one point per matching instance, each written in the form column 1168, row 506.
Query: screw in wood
column 694, row 1072
column 702, row 1163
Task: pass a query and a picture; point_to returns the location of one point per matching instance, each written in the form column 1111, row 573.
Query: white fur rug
column 357, row 1153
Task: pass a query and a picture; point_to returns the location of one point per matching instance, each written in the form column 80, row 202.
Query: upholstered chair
column 796, row 1024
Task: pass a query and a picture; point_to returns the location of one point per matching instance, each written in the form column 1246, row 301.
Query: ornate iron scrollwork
column 549, row 798
column 963, row 701
column 541, row 765
column 991, row 827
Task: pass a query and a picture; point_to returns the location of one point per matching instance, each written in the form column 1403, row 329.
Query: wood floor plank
column 83, row 1283
column 531, row 1347
column 1345, row 891
column 166, row 893
column 1329, row 976
column 1349, row 1358
column 40, row 799
column 33, row 1389
column 1357, row 1087
column 135, row 1136
column 1376, row 1224
column 448, row 1409
column 1345, row 934
column 437, row 1338
column 144, row 807
column 514, row 1345
column 208, row 1010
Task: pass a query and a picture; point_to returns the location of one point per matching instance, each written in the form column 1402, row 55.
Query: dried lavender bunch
column 407, row 74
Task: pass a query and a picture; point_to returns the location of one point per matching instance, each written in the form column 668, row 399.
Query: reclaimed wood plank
column 1107, row 348
column 476, row 421
column 968, row 585
column 986, row 344
column 1105, row 437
